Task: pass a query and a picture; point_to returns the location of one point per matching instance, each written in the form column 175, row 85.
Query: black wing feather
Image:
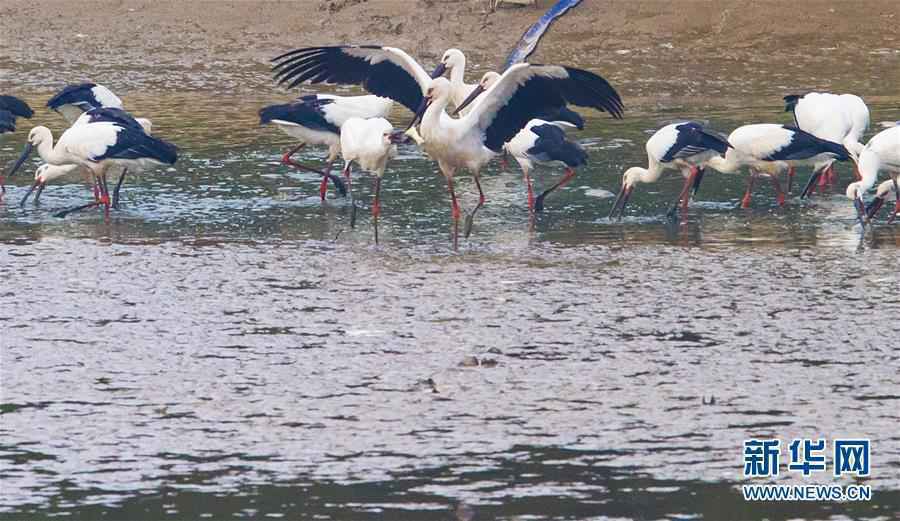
column 15, row 106
column 135, row 144
column 804, row 145
column 113, row 115
column 693, row 139
column 7, row 122
column 335, row 65
column 552, row 145
column 79, row 94
column 541, row 93
column 306, row 112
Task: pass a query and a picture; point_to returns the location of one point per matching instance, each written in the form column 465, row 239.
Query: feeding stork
column 839, row 118
column 371, row 143
column 76, row 99
column 885, row 192
column 522, row 93
column 100, row 139
column 882, row 153
column 684, row 146
column 46, row 173
column 770, row 149
column 11, row 108
column 317, row 119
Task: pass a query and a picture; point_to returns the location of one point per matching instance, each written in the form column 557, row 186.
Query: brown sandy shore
column 659, row 54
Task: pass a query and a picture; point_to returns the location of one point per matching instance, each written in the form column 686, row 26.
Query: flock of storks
column 522, row 112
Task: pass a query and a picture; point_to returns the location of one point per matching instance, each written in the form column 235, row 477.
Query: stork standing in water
column 684, row 146
column 522, row 93
column 770, row 149
column 839, row 118
column 371, row 143
column 11, row 108
column 102, row 139
column 317, row 119
column 46, row 173
column 882, row 153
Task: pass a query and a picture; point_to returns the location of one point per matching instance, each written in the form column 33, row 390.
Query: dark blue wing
column 790, row 104
column 81, row 95
column 7, row 122
column 135, row 144
column 532, row 36
column 15, row 106
column 804, row 145
column 693, row 139
column 114, row 115
column 306, row 112
column 349, row 65
column 552, row 145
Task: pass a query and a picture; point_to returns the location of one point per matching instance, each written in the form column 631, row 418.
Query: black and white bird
column 11, row 108
column 316, row 119
column 46, row 173
column 100, row 139
column 522, row 94
column 839, row 118
column 771, row 149
column 370, row 143
column 881, row 154
column 76, row 99
column 685, row 146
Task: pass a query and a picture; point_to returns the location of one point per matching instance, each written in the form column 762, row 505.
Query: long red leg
column 454, row 212
column 470, row 219
column 539, row 202
column 376, row 205
column 529, row 185
column 745, row 202
column 790, row 184
column 779, row 193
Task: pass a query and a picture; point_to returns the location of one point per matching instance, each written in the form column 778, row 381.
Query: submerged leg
column 745, row 202
column 471, row 217
column 376, row 205
column 346, row 173
column 779, row 193
column 539, row 201
column 530, row 186
column 326, row 174
column 684, row 195
column 67, row 211
column 104, row 197
column 454, row 212
column 115, row 199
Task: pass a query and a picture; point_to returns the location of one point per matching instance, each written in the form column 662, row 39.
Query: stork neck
column 458, row 73
column 432, row 117
column 651, row 173
column 723, row 164
column 46, row 150
column 869, row 164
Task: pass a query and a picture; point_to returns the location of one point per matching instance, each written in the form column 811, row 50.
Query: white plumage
column 371, row 143
column 881, row 154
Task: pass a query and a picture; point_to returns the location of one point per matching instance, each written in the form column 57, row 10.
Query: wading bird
column 770, row 149
column 886, row 191
column 74, row 100
column 371, row 143
column 839, row 118
column 46, row 173
column 104, row 138
column 684, row 146
column 523, row 93
column 11, row 108
column 317, row 119
column 882, row 153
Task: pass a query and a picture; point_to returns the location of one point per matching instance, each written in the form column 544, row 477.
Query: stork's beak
column 475, row 93
column 37, row 183
column 621, row 201
column 423, row 106
column 439, row 70
column 874, row 207
column 25, row 153
column 399, row 137
column 809, row 184
column 697, row 180
column 860, row 209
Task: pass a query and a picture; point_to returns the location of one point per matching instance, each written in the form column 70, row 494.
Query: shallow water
column 227, row 346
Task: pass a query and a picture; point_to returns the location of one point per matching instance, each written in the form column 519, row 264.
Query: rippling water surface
column 227, row 346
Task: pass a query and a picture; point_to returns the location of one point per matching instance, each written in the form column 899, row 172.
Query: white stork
column 882, row 153
column 46, row 173
column 839, row 118
column 371, row 143
column 74, row 100
column 104, row 138
column 522, row 93
column 317, row 119
column 11, row 108
column 684, row 146
column 770, row 149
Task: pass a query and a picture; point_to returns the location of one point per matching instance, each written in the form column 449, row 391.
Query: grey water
column 228, row 346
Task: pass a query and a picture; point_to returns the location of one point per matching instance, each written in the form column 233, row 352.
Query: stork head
column 489, row 79
column 855, row 194
column 453, row 58
column 38, row 135
column 631, row 177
